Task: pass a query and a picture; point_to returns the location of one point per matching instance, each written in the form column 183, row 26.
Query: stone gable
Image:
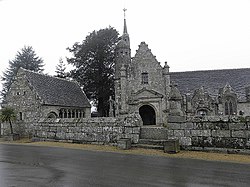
column 35, row 96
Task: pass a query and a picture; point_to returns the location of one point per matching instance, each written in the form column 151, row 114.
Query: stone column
column 111, row 107
column 69, row 113
column 166, row 76
column 65, row 112
column 123, row 90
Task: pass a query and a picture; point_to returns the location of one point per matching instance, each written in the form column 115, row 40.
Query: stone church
column 143, row 86
column 141, row 83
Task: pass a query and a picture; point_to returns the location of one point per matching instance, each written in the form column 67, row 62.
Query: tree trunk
column 11, row 129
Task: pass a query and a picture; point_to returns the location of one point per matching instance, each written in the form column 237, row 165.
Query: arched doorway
column 147, row 114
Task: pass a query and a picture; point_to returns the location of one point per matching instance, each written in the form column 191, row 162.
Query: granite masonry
column 211, row 133
column 198, row 134
column 88, row 130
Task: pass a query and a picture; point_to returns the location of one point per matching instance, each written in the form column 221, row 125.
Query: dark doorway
column 147, row 114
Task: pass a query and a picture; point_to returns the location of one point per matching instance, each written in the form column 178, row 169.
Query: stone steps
column 151, row 142
column 147, row 146
column 152, row 137
column 156, row 133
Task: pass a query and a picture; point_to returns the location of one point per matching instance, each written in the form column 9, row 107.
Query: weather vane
column 124, row 10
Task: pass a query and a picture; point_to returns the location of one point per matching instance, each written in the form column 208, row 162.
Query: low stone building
column 35, row 96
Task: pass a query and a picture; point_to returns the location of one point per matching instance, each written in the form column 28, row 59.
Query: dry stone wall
column 212, row 134
column 89, row 130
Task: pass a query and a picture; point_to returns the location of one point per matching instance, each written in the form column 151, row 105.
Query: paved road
column 24, row 166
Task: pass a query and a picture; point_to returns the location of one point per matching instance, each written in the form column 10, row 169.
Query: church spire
column 125, row 25
column 125, row 35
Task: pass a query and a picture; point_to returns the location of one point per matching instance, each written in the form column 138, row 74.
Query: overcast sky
column 188, row 34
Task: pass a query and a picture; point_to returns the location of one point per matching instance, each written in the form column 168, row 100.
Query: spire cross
column 124, row 10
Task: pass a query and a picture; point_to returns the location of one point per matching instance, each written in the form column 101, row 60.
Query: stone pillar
column 69, row 113
column 82, row 114
column 65, row 112
column 123, row 90
column 62, row 111
column 166, row 76
column 76, row 113
column 175, row 109
column 111, row 107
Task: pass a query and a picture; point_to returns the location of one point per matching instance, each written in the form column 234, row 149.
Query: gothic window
column 144, row 77
column 226, row 108
column 230, row 106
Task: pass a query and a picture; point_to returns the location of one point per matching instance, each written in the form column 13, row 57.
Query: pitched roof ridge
column 211, row 70
column 47, row 75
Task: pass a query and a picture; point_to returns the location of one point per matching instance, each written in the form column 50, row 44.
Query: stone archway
column 147, row 114
column 52, row 115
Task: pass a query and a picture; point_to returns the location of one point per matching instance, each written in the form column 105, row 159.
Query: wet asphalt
column 24, row 166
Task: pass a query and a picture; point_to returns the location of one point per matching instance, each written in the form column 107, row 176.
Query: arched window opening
column 60, row 114
column 52, row 115
column 230, row 106
column 226, row 108
column 65, row 114
column 69, row 114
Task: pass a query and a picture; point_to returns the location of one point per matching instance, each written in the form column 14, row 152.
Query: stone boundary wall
column 21, row 128
column 88, row 130
column 211, row 134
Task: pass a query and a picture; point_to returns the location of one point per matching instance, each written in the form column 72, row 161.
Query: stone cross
column 124, row 10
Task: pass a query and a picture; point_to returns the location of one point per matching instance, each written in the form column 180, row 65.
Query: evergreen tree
column 27, row 59
column 93, row 63
column 60, row 69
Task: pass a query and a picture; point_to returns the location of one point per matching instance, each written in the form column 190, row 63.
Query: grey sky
column 190, row 35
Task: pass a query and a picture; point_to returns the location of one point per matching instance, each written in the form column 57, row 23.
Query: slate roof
column 213, row 80
column 57, row 91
